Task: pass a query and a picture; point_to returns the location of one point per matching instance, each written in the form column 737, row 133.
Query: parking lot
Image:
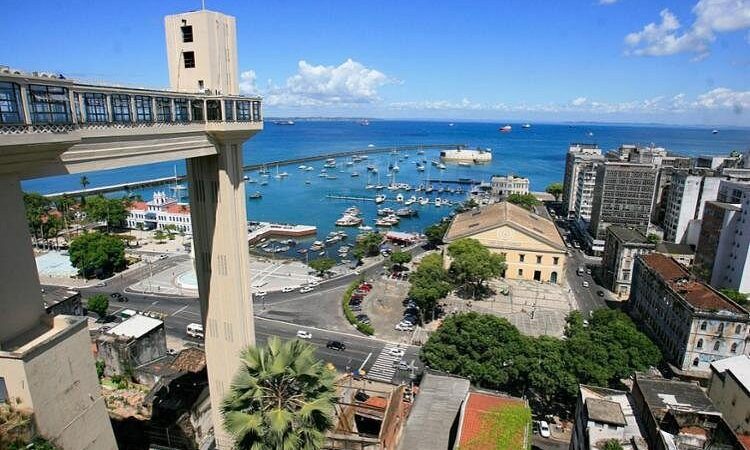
column 384, row 306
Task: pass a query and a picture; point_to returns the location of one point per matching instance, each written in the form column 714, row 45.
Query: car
column 163, row 256
column 396, row 351
column 336, row 345
column 288, row 288
column 261, row 293
column 115, row 295
column 588, row 271
column 302, row 334
column 171, row 351
column 544, row 429
column 401, row 365
column 600, row 293
column 403, row 327
column 305, row 290
column 585, row 284
column 313, row 283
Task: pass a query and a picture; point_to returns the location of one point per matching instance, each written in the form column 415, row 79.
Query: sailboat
column 281, row 175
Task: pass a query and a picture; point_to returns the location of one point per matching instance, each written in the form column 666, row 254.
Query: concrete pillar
column 20, row 293
column 219, row 219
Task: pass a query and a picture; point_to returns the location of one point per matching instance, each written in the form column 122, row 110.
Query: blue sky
column 684, row 62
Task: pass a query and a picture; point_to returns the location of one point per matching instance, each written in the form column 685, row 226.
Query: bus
column 195, row 330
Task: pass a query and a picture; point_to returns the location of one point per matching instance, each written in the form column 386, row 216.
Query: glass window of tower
column 49, row 104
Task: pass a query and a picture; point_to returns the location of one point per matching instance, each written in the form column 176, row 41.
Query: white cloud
column 247, row 83
column 578, row 101
column 711, row 17
column 724, row 98
column 349, row 83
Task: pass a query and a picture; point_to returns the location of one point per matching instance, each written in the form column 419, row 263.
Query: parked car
column 403, row 327
column 261, row 293
column 600, row 293
column 302, row 334
column 588, row 271
column 305, row 290
column 336, row 345
column 396, row 351
column 544, row 429
column 288, row 288
column 585, row 284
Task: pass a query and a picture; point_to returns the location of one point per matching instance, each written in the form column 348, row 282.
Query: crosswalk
column 385, row 366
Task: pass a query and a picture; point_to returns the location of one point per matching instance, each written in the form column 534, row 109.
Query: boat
column 308, row 182
column 406, row 212
column 364, row 228
column 438, row 202
column 379, row 187
column 464, row 164
column 420, row 152
column 263, row 183
column 302, row 251
column 331, row 177
column 317, row 245
column 506, row 129
column 370, row 168
column 385, row 212
column 251, row 180
column 309, row 168
column 352, row 211
column 280, row 175
column 384, row 223
column 450, row 124
column 395, row 168
column 423, row 200
column 400, row 198
column 410, row 200
column 322, row 253
column 379, row 198
column 263, row 170
column 526, row 125
column 459, row 155
column 246, row 178
column 302, row 167
column 355, row 174
column 428, row 189
column 714, row 131
column 347, row 220
column 369, row 186
column 393, row 187
column 364, row 122
column 255, row 195
column 322, row 174
column 332, row 240
column 441, row 166
column 283, row 122
column 420, row 168
column 371, row 145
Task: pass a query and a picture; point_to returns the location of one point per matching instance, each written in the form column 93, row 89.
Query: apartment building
column 585, row 185
column 603, row 415
column 693, row 323
column 731, row 268
column 578, row 154
column 621, row 248
column 503, row 186
column 624, row 195
column 729, row 389
column 717, row 216
column 688, row 195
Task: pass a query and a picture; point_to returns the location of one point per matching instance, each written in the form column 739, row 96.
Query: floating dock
column 260, row 230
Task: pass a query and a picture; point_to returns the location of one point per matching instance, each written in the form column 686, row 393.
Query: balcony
column 52, row 119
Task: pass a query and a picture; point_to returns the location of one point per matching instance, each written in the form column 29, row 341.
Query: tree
column 527, row 201
column 653, row 238
column 322, row 265
column 37, row 207
column 473, row 264
column 436, row 232
column 736, row 296
column 113, row 211
column 97, row 254
column 98, row 303
column 555, row 189
column 429, row 283
column 367, row 244
column 400, row 258
column 282, row 397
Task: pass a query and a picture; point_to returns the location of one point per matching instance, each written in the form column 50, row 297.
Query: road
column 587, row 297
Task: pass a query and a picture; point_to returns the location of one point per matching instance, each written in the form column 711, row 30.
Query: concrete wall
column 731, row 399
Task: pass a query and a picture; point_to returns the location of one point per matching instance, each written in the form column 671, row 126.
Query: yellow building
column 532, row 247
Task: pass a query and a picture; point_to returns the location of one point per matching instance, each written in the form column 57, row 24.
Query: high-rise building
column 585, row 184
column 687, row 196
column 729, row 390
column 717, row 216
column 621, row 247
column 577, row 155
column 731, row 268
column 624, row 195
column 202, row 52
column 693, row 323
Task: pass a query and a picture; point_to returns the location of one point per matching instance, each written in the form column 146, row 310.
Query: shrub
column 349, row 314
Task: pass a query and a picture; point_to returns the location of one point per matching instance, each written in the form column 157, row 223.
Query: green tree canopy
column 367, row 244
column 735, row 295
column 113, row 211
column 556, row 189
column 282, row 397
column 473, row 264
column 37, row 207
column 527, row 201
column 429, row 283
column 322, row 265
column 400, row 258
column 435, row 232
column 97, row 254
column 98, row 303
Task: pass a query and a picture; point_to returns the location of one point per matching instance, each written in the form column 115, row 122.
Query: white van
column 195, row 330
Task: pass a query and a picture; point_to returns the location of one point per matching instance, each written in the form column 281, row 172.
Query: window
column 49, row 104
column 197, row 108
column 243, row 110
column 737, row 329
column 733, row 349
column 256, row 112
column 189, row 59
column 213, row 110
column 187, row 33
column 163, row 109
column 143, row 109
column 721, row 328
column 521, row 257
column 229, row 109
column 10, row 103
column 695, row 362
column 704, row 325
column 120, row 108
column 538, row 259
column 520, row 272
column 555, row 260
column 95, row 106
column 699, row 344
column 716, row 346
column 200, row 85
column 181, row 110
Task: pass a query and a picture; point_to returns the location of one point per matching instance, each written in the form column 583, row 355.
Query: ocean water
column 537, row 153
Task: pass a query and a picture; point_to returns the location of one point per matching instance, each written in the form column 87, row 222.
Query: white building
column 159, row 213
column 578, row 154
column 732, row 263
column 585, row 184
column 503, row 186
column 687, row 198
column 603, row 415
column 729, row 390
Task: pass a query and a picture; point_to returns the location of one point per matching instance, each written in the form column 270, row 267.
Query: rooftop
column 434, row 411
column 136, row 327
column 699, row 295
column 738, row 366
column 606, row 411
column 674, row 249
column 727, row 206
column 615, row 408
column 53, row 295
column 477, row 220
column 190, row 360
column 493, row 421
column 628, row 235
column 662, row 395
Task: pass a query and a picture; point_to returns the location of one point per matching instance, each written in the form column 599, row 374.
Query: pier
column 175, row 179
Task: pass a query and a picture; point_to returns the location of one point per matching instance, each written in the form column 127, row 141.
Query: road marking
column 180, row 310
column 365, row 361
column 154, row 303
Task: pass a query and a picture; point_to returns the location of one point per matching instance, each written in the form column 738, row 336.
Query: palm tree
column 84, row 182
column 282, row 397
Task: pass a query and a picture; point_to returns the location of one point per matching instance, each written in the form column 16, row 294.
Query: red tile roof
column 479, row 425
column 697, row 294
column 176, row 208
column 140, row 206
column 744, row 440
